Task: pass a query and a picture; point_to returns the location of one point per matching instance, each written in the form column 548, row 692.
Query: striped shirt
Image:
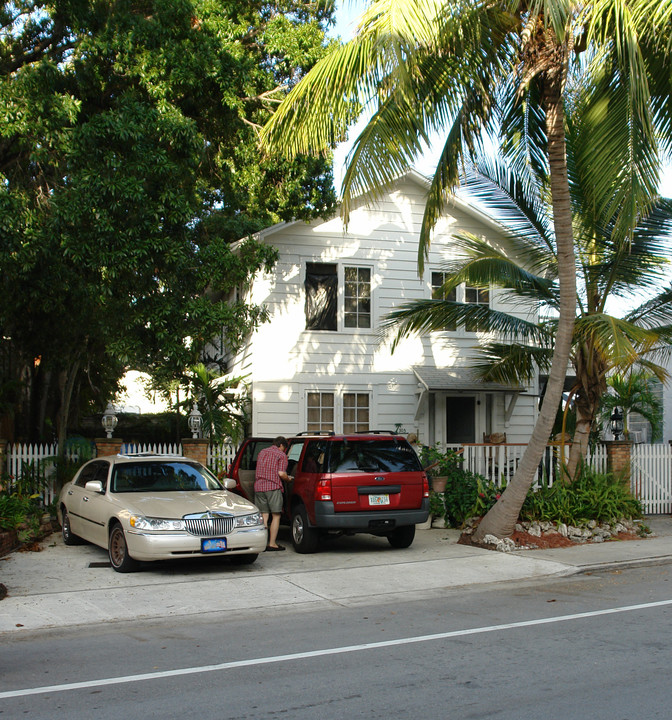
column 270, row 462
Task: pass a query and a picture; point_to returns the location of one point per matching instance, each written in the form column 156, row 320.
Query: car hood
column 183, row 502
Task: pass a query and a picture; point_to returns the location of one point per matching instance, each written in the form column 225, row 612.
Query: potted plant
column 439, row 465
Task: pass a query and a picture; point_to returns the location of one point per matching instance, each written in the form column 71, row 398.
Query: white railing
column 35, row 465
column 498, row 463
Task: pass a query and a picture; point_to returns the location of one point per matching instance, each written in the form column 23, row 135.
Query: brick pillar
column 108, row 446
column 618, row 457
column 196, row 449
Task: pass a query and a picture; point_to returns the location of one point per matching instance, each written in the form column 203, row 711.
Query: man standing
column 271, row 471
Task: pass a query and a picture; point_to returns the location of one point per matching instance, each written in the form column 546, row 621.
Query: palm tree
column 634, row 392
column 609, row 266
column 224, row 413
column 466, row 68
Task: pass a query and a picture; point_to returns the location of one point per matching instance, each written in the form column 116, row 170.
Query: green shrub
column 466, row 495
column 16, row 510
column 592, row 496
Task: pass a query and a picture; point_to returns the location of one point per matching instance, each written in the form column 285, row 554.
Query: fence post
column 196, row 448
column 3, row 459
column 108, row 446
column 618, row 457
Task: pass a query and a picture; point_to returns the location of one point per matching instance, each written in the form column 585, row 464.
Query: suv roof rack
column 327, row 433
column 375, row 432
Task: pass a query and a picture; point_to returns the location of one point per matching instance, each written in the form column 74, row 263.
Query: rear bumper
column 368, row 521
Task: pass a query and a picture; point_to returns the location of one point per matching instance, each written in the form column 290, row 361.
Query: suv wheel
column 402, row 537
column 304, row 537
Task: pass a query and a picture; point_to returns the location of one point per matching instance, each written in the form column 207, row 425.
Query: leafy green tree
column 130, row 170
column 464, row 68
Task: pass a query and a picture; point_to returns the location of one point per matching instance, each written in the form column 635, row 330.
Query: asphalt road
column 590, row 646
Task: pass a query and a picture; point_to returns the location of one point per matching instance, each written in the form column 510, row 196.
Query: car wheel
column 243, row 559
column 304, row 538
column 120, row 560
column 69, row 538
column 402, row 537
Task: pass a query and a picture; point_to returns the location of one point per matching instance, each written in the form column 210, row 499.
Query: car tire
column 120, row 560
column 304, row 538
column 69, row 538
column 402, row 537
column 243, row 559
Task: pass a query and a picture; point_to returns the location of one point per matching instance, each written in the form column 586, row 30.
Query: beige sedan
column 158, row 507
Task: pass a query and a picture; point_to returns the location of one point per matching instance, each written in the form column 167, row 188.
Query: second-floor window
column 477, row 296
column 462, row 293
column 322, row 285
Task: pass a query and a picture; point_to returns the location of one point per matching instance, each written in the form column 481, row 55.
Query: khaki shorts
column 269, row 501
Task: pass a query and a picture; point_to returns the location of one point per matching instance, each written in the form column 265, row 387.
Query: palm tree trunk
column 500, row 521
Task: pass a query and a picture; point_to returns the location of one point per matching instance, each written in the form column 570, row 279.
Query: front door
column 460, row 420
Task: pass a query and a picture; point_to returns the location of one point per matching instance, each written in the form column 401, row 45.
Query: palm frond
column 511, row 363
column 425, row 316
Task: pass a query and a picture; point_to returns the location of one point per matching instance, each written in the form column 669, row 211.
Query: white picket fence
column 25, row 461
column 651, row 465
column 651, row 477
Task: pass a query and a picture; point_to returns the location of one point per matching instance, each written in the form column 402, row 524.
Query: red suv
column 368, row 482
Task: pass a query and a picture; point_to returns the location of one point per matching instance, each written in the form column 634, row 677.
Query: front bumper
column 170, row 545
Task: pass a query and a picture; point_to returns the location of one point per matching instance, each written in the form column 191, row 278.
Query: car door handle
column 69, row 492
column 85, row 499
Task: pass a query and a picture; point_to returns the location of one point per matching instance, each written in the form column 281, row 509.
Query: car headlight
column 249, row 520
column 139, row 522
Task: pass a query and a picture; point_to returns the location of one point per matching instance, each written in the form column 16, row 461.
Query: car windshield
column 162, row 476
column 372, row 456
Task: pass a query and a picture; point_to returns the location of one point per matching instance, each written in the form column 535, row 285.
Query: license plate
column 379, row 499
column 213, row 545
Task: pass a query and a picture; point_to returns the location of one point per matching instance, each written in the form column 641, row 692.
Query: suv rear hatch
column 374, row 474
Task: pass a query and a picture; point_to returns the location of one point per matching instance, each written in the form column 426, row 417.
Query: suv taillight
column 323, row 490
column 425, row 486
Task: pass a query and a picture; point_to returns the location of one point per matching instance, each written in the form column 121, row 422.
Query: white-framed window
column 438, row 293
column 461, row 293
column 355, row 412
column 338, row 297
column 320, row 411
column 329, row 411
column 476, row 296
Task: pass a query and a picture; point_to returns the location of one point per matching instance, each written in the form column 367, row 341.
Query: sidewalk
column 66, row 586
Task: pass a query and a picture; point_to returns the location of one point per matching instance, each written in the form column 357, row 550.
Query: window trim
column 339, row 393
column 340, row 294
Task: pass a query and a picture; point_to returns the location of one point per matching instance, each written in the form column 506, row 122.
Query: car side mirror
column 229, row 483
column 94, row 486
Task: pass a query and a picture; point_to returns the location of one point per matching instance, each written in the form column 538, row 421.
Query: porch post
column 618, row 457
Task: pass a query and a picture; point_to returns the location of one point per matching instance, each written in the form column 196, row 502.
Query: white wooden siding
column 283, row 354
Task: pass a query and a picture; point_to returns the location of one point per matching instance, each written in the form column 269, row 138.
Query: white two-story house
column 322, row 363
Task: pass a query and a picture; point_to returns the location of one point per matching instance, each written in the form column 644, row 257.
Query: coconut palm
column 466, row 68
column 610, row 265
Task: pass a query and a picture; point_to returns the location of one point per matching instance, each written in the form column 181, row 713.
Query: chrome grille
column 209, row 525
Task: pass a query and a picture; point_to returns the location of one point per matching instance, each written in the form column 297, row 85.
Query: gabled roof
column 424, row 182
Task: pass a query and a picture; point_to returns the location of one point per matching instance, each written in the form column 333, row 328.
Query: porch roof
column 459, row 380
